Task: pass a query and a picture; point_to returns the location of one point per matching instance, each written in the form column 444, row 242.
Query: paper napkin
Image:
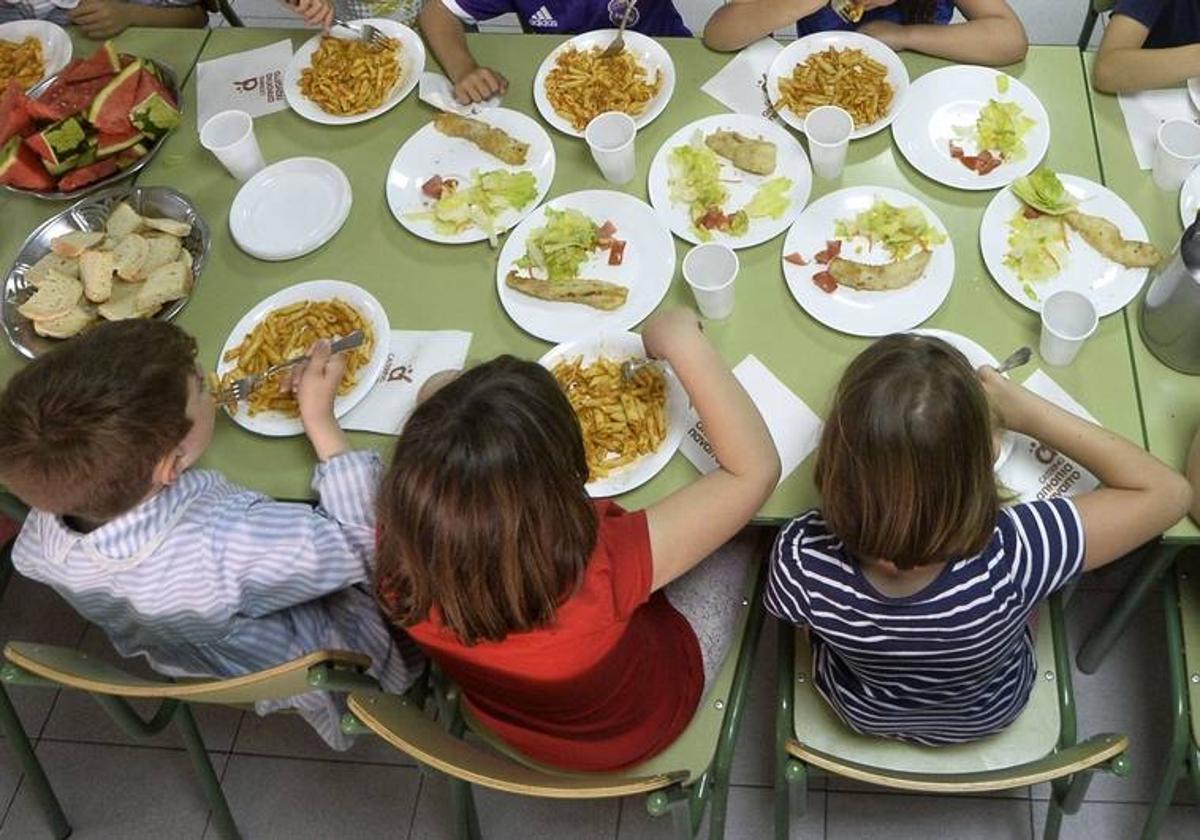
column 412, row 358
column 1034, row 470
column 1145, row 111
column 741, row 84
column 250, row 81
column 793, row 426
column 436, row 89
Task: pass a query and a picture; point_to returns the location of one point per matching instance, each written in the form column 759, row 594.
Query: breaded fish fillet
column 879, row 278
column 756, row 156
column 1106, row 238
column 594, row 293
column 494, row 141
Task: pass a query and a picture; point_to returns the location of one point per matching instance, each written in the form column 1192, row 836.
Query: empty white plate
column 290, row 209
column 1189, row 198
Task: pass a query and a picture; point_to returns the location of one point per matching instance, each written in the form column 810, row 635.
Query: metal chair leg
column 1176, row 758
column 35, row 776
column 1089, row 26
column 222, row 818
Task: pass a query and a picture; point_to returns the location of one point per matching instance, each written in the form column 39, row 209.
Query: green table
column 425, row 286
column 1167, row 399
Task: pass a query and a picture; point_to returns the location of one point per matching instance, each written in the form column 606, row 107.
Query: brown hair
column 82, row 428
column 483, row 513
column 905, row 463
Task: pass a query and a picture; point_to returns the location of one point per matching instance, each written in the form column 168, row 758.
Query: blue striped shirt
column 951, row 663
column 206, row 578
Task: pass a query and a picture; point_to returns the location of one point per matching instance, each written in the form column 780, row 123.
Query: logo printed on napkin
column 250, row 81
column 794, row 428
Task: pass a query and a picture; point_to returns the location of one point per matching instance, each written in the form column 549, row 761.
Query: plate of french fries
column 855, row 72
column 631, row 425
column 32, row 50
column 286, row 325
column 336, row 79
column 574, row 84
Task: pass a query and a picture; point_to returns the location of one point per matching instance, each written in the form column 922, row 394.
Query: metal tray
column 91, row 214
column 172, row 82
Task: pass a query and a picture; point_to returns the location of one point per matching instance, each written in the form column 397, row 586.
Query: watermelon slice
column 110, row 144
column 87, row 175
column 149, row 83
column 109, row 111
column 104, row 62
column 14, row 117
column 58, row 143
column 131, row 155
column 61, row 100
column 20, row 167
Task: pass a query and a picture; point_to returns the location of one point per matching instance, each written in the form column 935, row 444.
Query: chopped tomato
column 433, row 187
column 617, row 252
column 714, row 219
column 795, row 259
column 824, row 281
column 986, row 162
column 833, row 248
column 956, row 151
column 607, row 230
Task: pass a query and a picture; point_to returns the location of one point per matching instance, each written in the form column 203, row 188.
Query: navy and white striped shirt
column 206, row 578
column 951, row 663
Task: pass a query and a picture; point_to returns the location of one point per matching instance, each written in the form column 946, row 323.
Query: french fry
column 582, row 84
column 21, row 60
column 847, row 78
column 349, row 77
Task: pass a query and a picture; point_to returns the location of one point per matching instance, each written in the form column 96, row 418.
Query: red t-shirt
column 612, row 682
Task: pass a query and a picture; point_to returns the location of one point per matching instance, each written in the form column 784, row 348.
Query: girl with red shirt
column 554, row 613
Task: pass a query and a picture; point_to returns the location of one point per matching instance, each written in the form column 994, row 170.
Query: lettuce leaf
column 562, row 245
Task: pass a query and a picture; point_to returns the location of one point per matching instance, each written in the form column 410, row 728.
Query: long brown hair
column 905, row 463
column 483, row 512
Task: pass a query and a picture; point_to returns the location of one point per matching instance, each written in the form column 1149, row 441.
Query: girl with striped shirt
column 915, row 585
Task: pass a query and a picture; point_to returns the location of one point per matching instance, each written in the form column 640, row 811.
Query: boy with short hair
column 100, row 19
column 200, row 576
column 1148, row 44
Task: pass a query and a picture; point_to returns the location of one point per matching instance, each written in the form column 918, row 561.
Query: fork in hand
column 244, row 387
column 618, row 44
column 366, row 33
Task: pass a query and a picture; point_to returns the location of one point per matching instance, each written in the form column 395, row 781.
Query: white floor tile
column 750, row 816
column 855, row 816
column 1113, row 821
column 289, row 736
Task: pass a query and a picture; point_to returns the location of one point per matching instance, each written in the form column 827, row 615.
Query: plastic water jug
column 1170, row 315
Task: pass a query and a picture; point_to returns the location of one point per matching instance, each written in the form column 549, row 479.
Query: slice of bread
column 53, row 298
column 171, row 226
column 131, row 255
column 96, row 269
column 122, row 221
column 123, row 303
column 163, row 250
column 36, row 273
column 171, row 282
column 76, row 242
column 68, row 324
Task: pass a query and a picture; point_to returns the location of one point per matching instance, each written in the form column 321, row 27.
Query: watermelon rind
column 20, row 167
column 105, row 61
column 60, row 141
column 111, row 106
column 110, row 144
column 155, row 116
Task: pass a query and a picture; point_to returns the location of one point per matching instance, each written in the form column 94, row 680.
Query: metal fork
column 618, row 44
column 1019, row 357
column 630, row 367
column 366, row 33
column 244, row 387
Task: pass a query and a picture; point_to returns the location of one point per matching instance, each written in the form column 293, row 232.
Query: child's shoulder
column 807, row 541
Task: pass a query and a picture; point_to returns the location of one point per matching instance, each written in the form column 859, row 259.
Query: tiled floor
column 282, row 783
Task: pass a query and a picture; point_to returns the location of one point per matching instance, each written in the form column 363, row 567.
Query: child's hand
column 895, row 35
column 480, row 84
column 317, row 13
column 666, row 329
column 1006, row 398
column 315, row 385
column 100, row 19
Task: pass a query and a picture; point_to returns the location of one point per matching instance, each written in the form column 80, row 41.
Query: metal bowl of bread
column 126, row 252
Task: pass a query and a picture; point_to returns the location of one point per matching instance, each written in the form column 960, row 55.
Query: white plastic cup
column 610, row 137
column 828, row 129
column 1068, row 320
column 710, row 270
column 1176, row 153
column 230, row 136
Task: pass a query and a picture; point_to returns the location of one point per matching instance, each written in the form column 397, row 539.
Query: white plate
column 626, row 345
column 290, row 209
column 56, row 44
column 1189, row 198
column 797, row 51
column 791, row 162
column 1193, row 86
column 429, row 152
column 412, row 64
column 648, row 52
column 951, row 97
column 274, row 423
column 647, row 270
column 1109, row 285
column 851, row 310
column 977, row 357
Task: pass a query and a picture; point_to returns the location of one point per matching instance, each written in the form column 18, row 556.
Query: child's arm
column 693, row 522
column 1193, row 475
column 106, row 18
column 444, row 34
column 1141, row 496
column 318, row 13
column 1123, row 65
column 739, row 23
column 315, row 384
column 992, row 34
